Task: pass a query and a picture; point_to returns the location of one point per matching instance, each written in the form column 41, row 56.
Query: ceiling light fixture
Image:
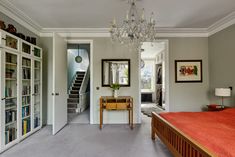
column 78, row 58
column 135, row 29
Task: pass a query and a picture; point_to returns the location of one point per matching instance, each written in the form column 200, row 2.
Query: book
column 24, row 127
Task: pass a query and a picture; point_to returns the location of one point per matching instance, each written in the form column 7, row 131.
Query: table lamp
column 223, row 92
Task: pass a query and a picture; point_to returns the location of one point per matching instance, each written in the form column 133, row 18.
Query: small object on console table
column 215, row 107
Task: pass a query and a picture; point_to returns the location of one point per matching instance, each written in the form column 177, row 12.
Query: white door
column 59, row 101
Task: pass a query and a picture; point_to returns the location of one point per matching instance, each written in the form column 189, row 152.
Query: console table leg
column 132, row 117
column 101, row 118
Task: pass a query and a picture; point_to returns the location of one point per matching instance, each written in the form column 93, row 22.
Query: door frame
column 87, row 41
column 167, row 77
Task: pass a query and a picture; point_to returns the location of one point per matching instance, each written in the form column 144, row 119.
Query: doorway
column 154, row 79
column 78, row 67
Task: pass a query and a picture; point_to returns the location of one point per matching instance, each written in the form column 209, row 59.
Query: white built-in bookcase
column 21, row 89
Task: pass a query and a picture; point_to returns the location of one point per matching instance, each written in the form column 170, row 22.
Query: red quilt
column 214, row 130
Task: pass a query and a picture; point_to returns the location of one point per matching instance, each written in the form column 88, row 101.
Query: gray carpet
column 148, row 108
column 80, row 118
column 83, row 140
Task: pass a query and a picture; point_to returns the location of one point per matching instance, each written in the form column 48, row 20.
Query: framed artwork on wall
column 187, row 71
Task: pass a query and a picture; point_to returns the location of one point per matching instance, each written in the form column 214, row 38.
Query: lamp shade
column 222, row 91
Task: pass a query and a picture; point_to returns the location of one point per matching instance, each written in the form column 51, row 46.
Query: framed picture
column 188, row 71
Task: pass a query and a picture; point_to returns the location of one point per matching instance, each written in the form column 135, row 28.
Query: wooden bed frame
column 177, row 142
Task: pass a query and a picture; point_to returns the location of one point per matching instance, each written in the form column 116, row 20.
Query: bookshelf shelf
column 11, row 64
column 25, row 105
column 26, row 79
column 26, row 95
column 11, row 79
column 10, row 107
column 27, row 67
column 7, row 98
column 26, row 117
column 20, row 109
column 10, row 123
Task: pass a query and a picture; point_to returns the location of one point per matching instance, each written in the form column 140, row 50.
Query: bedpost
column 152, row 128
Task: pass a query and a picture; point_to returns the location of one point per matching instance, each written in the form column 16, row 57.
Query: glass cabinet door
column 37, row 52
column 11, row 41
column 10, row 97
column 26, row 95
column 37, row 93
column 26, row 48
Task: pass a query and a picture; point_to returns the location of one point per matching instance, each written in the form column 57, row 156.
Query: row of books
column 10, row 116
column 11, row 58
column 25, row 90
column 8, row 92
column 25, row 126
column 26, row 74
column 26, row 48
column 10, row 73
column 10, row 135
column 11, row 101
column 26, row 62
column 25, row 100
column 25, row 111
column 36, row 122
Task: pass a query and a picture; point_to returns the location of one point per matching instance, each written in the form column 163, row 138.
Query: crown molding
column 182, row 32
column 104, row 32
column 19, row 16
column 222, row 24
column 77, row 32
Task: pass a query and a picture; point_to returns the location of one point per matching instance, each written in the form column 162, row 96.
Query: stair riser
column 71, row 110
column 74, row 92
column 73, row 100
column 77, row 85
column 78, row 81
column 72, row 105
column 76, row 88
column 73, row 96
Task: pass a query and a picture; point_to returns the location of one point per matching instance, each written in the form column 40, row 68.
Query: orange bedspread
column 214, row 130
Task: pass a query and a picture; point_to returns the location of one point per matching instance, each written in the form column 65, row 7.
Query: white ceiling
column 99, row 13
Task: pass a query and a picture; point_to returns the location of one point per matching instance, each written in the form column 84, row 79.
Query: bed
column 196, row 134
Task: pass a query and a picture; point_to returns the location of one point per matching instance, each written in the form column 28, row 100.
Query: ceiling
column 99, row 13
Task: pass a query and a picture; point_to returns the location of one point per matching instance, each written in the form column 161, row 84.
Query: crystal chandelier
column 135, row 29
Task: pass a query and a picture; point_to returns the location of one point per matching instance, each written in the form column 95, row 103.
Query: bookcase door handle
column 3, row 98
column 55, row 94
column 4, row 39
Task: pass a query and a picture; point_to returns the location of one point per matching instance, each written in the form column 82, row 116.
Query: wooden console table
column 119, row 103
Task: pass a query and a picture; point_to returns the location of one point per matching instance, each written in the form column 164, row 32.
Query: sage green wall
column 188, row 96
column 47, row 46
column 222, row 63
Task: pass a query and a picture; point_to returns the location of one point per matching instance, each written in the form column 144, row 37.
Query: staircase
column 73, row 100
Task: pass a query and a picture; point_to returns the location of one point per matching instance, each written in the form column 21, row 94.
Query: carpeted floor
column 84, row 140
column 148, row 108
column 80, row 118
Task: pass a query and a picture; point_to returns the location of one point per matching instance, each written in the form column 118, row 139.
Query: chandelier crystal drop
column 135, row 29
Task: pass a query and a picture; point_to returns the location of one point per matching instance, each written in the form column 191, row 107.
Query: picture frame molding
column 189, row 81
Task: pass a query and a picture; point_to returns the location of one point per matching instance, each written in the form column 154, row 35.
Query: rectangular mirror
column 115, row 71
